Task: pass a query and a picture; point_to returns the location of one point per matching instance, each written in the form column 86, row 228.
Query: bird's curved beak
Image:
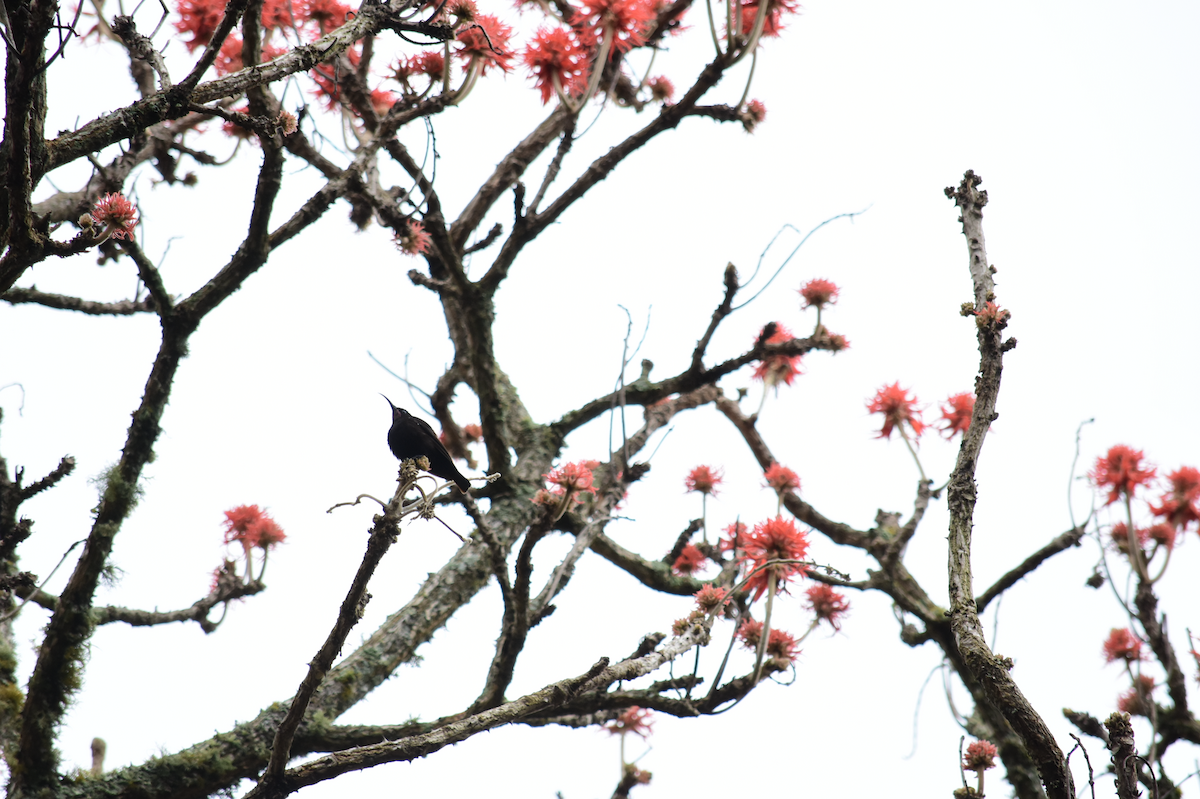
column 389, row 402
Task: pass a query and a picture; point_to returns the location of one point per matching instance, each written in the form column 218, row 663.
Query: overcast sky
column 1081, row 118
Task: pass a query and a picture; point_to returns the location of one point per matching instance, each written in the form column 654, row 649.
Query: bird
column 411, row 437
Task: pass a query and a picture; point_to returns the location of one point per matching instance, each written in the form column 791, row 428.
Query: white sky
column 1082, row 120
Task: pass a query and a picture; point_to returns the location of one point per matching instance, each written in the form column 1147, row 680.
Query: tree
column 509, row 520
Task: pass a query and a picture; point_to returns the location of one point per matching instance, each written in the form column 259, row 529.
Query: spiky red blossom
column 774, row 539
column 710, row 598
column 486, row 39
column 278, row 14
column 773, row 24
column 556, row 53
column 325, row 14
column 574, row 477
column 734, row 538
column 704, row 479
column 1162, row 534
column 956, row 414
column 690, row 561
column 780, row 645
column 1180, row 504
column 472, row 433
column 250, row 526
column 661, row 89
column 414, row 240
column 781, row 478
column 827, row 604
column 992, row 314
column 199, row 18
column 757, row 112
column 117, row 214
column 629, row 20
column 549, row 496
column 1137, row 700
column 1122, row 644
column 897, row 408
column 459, row 12
column 1120, row 537
column 229, row 59
column 818, row 293
column 778, row 368
column 1121, row 471
column 636, row 720
column 980, row 756
column 838, row 342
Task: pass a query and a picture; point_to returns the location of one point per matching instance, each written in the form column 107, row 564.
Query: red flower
column 776, row 369
column 116, row 214
column 1120, row 537
column 486, row 40
column 773, row 23
column 661, row 89
column 327, row 14
column 555, row 54
column 549, row 496
column 827, row 604
column 250, row 526
column 200, row 18
column 897, row 408
column 277, row 14
column 1180, row 505
column 736, row 537
column 1121, row 471
column 818, row 293
column 992, row 314
column 690, row 561
column 780, row 645
column 629, row 21
column 1136, row 701
column 1122, row 644
column 472, row 433
column 956, row 413
column 772, row 540
column 704, row 479
column 980, row 756
column 382, row 100
column 636, row 720
column 754, row 114
column 574, row 477
column 414, row 240
column 838, row 342
column 1162, row 534
column 710, row 598
column 781, row 478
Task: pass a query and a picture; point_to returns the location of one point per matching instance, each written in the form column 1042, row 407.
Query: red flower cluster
column 690, row 561
column 414, row 240
column 956, row 414
column 636, row 720
column 780, row 645
column 827, row 604
column 710, row 598
column 556, row 56
column 251, row 527
column 981, row 755
column 117, row 214
column 818, row 293
column 773, row 540
column 1137, row 700
column 781, row 478
column 569, row 480
column 897, row 408
column 1122, row 644
column 735, row 537
column 773, row 24
column 704, row 479
column 991, row 314
column 1180, row 505
column 1121, row 471
column 485, row 41
column 776, row 369
column 472, row 433
column 628, row 21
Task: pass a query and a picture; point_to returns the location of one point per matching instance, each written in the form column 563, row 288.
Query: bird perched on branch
column 411, row 437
